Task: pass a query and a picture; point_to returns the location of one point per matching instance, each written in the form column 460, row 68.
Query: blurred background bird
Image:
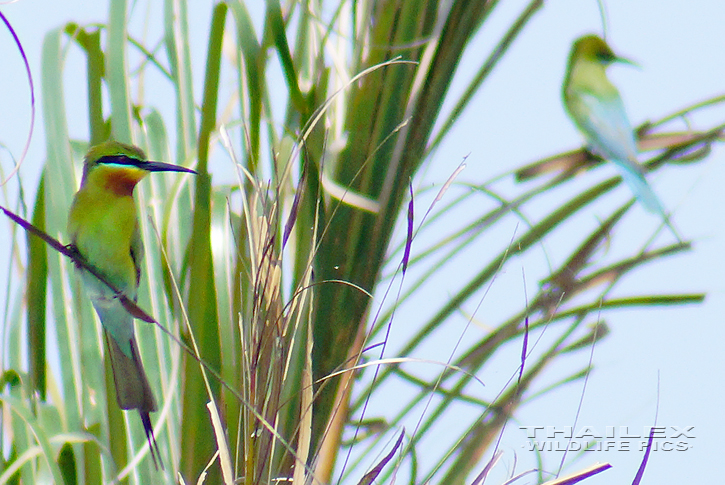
column 595, row 106
column 103, row 229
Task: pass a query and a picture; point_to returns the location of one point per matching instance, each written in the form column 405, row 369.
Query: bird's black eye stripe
column 119, row 160
column 605, row 56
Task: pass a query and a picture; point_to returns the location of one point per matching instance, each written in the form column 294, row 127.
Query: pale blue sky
column 515, row 119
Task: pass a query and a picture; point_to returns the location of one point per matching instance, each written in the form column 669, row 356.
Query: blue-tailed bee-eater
column 595, row 106
column 103, row 228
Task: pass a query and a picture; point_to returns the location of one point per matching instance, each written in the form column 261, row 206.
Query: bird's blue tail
column 641, row 189
column 644, row 194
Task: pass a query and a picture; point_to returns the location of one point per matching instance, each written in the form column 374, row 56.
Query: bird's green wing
column 137, row 250
column 606, row 126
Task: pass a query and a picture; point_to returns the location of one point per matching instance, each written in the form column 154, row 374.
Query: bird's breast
column 102, row 228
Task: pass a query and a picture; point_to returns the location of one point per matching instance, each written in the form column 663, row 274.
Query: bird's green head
column 119, row 167
column 592, row 48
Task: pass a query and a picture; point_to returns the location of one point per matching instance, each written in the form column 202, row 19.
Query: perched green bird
column 103, row 228
column 595, row 106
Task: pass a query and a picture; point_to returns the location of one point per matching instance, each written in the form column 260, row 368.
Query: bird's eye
column 116, row 160
column 605, row 56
